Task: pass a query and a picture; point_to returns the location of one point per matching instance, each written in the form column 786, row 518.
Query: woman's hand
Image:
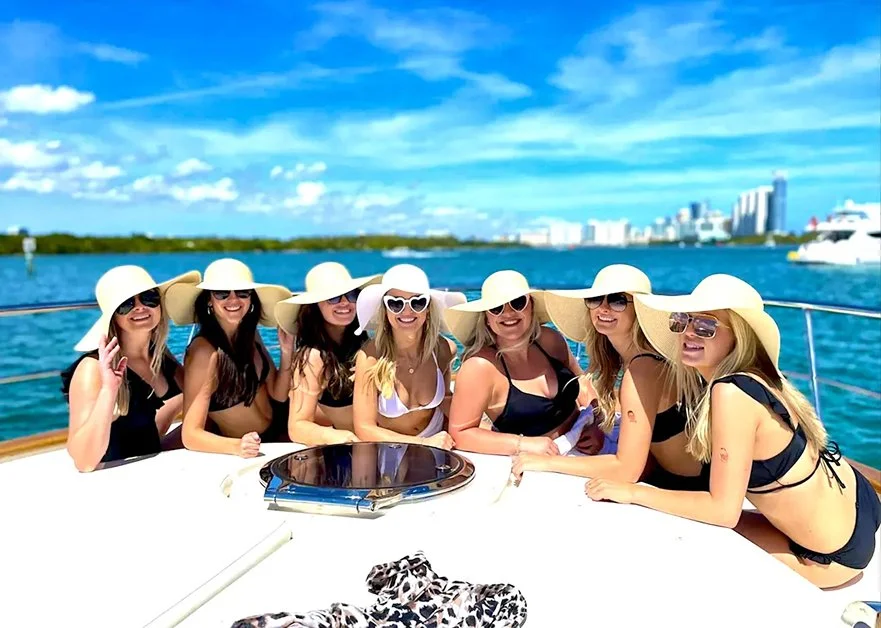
column 610, row 490
column 441, row 440
column 339, row 437
column 111, row 378
column 285, row 343
column 249, row 445
column 526, row 462
column 539, row 445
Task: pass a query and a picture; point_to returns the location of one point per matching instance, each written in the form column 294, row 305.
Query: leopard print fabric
column 410, row 594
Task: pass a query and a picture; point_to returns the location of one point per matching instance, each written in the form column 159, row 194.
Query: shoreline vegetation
column 68, row 244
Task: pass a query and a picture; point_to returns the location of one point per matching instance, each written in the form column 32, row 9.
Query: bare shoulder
column 647, row 371
column 479, row 367
column 554, row 343
column 446, row 350
column 314, row 359
column 86, row 375
column 367, row 354
column 199, row 352
column 727, row 399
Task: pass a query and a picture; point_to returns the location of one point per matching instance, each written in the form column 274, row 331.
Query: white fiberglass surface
column 577, row 563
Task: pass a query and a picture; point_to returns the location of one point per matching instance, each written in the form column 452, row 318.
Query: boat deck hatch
column 361, row 478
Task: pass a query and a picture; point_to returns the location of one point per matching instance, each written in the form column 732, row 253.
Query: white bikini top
column 392, row 407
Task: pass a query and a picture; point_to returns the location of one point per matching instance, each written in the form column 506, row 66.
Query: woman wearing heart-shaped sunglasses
column 125, row 390
column 402, row 375
column 514, row 371
column 231, row 380
column 651, row 438
column 815, row 512
column 323, row 322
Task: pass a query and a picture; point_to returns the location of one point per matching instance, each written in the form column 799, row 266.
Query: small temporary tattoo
column 631, row 417
column 724, row 455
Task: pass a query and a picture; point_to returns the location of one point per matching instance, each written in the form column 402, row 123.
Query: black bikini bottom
column 662, row 478
column 858, row 551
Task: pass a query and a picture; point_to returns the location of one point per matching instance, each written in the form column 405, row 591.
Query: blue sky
column 282, row 118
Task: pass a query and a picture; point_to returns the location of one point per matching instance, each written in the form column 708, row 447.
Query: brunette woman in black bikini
column 230, row 376
column 323, row 321
column 519, row 374
column 652, row 440
column 816, row 513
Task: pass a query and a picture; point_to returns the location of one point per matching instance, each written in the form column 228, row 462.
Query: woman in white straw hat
column 402, row 375
column 323, row 321
column 125, row 390
column 652, row 440
column 230, row 377
column 505, row 343
column 816, row 513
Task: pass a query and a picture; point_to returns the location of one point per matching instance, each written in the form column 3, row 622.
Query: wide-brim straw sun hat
column 118, row 285
column 567, row 310
column 406, row 278
column 324, row 281
column 716, row 292
column 497, row 289
column 224, row 274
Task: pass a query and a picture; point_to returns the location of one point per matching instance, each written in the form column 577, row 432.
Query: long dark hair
column 312, row 334
column 236, row 375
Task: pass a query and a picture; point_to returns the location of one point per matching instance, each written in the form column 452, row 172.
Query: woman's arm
column 640, row 394
column 446, row 355
column 93, row 390
column 365, row 408
column 200, row 382
column 307, row 388
column 173, row 407
column 278, row 382
column 735, row 419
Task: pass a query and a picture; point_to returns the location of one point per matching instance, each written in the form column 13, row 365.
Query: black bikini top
column 533, row 415
column 671, row 422
column 768, row 471
column 326, row 398
column 134, row 433
column 215, row 405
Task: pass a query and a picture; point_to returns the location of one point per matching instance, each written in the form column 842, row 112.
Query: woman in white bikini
column 402, row 375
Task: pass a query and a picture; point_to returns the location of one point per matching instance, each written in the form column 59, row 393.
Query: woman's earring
column 210, row 309
column 252, row 308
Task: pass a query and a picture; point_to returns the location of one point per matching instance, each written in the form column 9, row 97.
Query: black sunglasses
column 617, row 301
column 149, row 298
column 704, row 325
column 351, row 296
column 518, row 305
column 223, row 295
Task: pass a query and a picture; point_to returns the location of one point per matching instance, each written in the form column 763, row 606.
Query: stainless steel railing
column 806, row 307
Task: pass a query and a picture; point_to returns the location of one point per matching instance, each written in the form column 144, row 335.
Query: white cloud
column 44, row 99
column 258, row 203
column 151, row 184
column 93, row 170
column 26, row 155
column 29, row 182
column 106, row 52
column 308, row 195
column 279, row 172
column 191, row 166
column 113, row 194
column 223, row 190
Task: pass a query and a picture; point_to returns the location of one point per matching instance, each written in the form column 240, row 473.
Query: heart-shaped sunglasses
column 396, row 305
column 518, row 305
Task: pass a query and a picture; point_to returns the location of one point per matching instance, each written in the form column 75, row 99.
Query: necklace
column 410, row 369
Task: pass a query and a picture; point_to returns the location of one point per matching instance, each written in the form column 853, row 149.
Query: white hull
column 159, row 539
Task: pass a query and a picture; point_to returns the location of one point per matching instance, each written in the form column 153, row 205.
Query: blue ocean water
column 848, row 349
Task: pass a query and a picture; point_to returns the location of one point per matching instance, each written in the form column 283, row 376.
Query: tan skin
column 816, row 514
column 414, row 389
column 95, row 384
column 642, row 396
column 240, row 425
column 482, row 386
column 310, row 422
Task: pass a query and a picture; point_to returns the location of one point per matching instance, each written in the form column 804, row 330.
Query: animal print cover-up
column 410, row 594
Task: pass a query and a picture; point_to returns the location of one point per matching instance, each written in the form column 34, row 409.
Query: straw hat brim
column 461, row 320
column 181, row 299
column 370, row 302
column 653, row 312
column 568, row 312
column 92, row 338
column 287, row 310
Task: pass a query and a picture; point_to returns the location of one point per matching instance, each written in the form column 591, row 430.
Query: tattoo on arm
column 631, row 417
column 723, row 454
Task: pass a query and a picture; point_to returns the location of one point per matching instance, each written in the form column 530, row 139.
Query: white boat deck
column 161, row 538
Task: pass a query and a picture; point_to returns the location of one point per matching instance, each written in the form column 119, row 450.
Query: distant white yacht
column 851, row 236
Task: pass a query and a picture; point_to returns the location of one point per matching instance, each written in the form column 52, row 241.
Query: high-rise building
column 751, row 212
column 695, row 211
column 777, row 210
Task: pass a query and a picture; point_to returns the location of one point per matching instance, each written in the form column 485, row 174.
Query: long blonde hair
column 483, row 337
column 382, row 374
column 157, row 349
column 604, row 367
column 750, row 357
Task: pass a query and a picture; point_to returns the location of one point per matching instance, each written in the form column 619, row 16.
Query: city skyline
column 353, row 116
